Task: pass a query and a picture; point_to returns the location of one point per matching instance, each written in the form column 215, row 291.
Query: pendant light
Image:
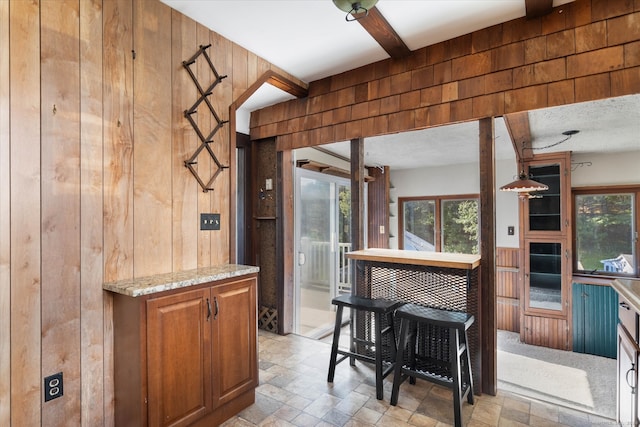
column 524, row 185
column 355, row 9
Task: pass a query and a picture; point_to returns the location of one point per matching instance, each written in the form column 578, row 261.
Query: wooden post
column 487, row 292
column 357, row 194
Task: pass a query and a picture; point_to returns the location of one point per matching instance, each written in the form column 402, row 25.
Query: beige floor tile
column 293, row 391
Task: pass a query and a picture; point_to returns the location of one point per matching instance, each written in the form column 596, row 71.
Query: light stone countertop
column 630, row 289
column 181, row 279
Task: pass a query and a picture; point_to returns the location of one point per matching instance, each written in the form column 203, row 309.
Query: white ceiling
column 310, row 39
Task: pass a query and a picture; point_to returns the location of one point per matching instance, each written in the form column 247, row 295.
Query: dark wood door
column 234, row 340
column 179, row 358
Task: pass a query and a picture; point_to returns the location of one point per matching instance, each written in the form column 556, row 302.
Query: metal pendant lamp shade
column 524, row 185
column 354, row 7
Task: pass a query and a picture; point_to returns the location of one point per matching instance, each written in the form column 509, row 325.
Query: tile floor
column 293, row 391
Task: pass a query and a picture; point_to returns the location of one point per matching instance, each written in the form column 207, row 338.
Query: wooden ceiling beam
column 538, row 8
column 382, row 32
column 520, row 133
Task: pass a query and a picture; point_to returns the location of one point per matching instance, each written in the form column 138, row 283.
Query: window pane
column 419, row 225
column 460, row 226
column 604, row 231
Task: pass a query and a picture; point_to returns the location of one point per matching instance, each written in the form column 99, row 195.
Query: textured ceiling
column 610, row 125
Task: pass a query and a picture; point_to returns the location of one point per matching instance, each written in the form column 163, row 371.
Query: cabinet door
column 179, row 358
column 627, row 379
column 546, row 278
column 546, row 212
column 235, row 364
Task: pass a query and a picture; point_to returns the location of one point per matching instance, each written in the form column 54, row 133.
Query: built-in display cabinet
column 545, row 237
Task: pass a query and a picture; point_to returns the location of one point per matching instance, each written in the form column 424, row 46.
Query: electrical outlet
column 53, row 387
column 511, row 230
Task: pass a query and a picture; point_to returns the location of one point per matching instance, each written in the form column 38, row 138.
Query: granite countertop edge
column 148, row 285
column 629, row 289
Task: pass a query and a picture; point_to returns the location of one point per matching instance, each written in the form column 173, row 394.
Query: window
column 606, row 231
column 440, row 224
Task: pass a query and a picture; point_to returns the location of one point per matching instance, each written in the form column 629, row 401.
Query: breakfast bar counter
column 434, row 279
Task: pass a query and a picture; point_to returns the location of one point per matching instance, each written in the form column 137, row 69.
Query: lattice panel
column 205, row 135
column 268, row 319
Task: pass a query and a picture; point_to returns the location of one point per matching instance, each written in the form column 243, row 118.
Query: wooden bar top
column 433, row 259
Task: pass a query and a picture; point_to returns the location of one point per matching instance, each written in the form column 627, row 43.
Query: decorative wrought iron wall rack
column 205, row 141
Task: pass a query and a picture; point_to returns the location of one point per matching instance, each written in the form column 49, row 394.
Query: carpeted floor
column 574, row 380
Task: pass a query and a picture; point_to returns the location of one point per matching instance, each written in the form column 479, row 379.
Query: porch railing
column 317, row 271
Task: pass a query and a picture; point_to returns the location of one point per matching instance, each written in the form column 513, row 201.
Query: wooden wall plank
column 152, row 202
column 92, row 343
column 184, row 143
column 5, row 221
column 222, row 55
column 546, row 331
column 60, row 202
column 204, row 166
column 26, row 253
column 118, row 143
column 508, row 314
column 117, row 150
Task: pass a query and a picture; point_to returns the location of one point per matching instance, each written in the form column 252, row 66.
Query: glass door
column 322, row 236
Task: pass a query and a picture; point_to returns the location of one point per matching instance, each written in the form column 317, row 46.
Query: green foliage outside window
column 420, row 219
column 460, row 226
column 604, row 230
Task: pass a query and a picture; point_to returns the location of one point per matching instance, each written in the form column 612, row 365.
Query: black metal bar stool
column 433, row 346
column 366, row 349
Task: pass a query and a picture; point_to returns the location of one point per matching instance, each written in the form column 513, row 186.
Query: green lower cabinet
column 595, row 318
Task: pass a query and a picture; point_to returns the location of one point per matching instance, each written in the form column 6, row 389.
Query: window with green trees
column 605, row 230
column 441, row 224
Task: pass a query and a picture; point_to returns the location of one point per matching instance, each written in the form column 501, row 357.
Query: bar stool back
column 363, row 349
column 433, row 346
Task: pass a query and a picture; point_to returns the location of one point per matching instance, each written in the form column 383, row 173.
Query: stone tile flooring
column 293, row 391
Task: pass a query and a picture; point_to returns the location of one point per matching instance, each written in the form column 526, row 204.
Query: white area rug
column 546, row 379
column 574, row 380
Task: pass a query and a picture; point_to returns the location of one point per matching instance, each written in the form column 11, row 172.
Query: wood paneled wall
column 507, row 289
column 378, row 208
column 584, row 50
column 93, row 186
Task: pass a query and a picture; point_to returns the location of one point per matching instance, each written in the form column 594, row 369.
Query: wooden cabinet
column 545, row 238
column 186, row 357
column 628, row 357
column 234, row 344
column 178, row 358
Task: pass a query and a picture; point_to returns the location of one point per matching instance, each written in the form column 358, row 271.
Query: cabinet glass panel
column 545, row 276
column 544, row 206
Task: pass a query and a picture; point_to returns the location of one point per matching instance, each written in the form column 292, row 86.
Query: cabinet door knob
column 625, row 305
column 208, row 309
column 215, row 305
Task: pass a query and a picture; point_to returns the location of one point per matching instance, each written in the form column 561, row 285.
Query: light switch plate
column 210, row 221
